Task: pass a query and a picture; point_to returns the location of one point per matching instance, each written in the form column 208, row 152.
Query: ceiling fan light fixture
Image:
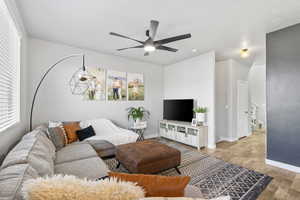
column 149, row 48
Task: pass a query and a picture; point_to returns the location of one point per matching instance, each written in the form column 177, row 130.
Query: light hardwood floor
column 250, row 153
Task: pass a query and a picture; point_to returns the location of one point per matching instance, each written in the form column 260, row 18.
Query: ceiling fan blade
column 166, row 48
column 146, row 54
column 173, row 39
column 123, row 36
column 153, row 28
column 139, row 46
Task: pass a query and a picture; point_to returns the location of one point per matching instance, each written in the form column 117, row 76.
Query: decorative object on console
column 85, row 133
column 155, row 185
column 200, row 113
column 136, row 90
column 56, row 187
column 194, row 122
column 71, row 128
column 82, row 77
column 116, row 86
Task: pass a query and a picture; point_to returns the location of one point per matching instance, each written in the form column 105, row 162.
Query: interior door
column 242, row 109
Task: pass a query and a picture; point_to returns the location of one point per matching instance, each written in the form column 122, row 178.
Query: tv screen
column 178, row 109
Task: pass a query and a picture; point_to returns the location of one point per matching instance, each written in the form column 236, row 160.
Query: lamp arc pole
column 44, row 76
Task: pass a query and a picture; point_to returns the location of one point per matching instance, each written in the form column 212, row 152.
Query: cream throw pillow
column 67, row 187
column 183, row 198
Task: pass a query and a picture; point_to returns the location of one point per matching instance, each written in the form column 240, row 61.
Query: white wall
column 257, row 90
column 228, row 73
column 55, row 101
column 194, row 78
column 223, row 98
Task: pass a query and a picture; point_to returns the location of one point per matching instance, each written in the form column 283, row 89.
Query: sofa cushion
column 34, row 152
column 43, row 138
column 90, row 168
column 85, row 133
column 57, row 136
column 74, row 152
column 71, row 128
column 156, row 185
column 12, row 179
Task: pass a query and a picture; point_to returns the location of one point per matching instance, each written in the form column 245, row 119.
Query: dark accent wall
column 283, row 95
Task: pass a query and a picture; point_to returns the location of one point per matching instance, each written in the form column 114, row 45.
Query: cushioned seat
column 103, row 148
column 74, row 152
column 90, row 168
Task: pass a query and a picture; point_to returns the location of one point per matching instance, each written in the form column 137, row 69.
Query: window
column 9, row 70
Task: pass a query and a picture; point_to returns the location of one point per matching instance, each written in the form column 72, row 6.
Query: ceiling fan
column 150, row 44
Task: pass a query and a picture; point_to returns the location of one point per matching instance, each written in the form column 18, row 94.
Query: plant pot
column 200, row 117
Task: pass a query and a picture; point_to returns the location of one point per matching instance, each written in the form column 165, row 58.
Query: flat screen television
column 178, row 109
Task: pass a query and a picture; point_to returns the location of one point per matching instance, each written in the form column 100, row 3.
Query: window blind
column 9, row 70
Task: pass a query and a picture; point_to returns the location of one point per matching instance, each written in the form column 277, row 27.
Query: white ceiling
column 221, row 25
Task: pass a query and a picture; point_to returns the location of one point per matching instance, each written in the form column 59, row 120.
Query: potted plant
column 138, row 114
column 200, row 113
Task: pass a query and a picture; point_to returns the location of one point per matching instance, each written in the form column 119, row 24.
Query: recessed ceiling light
column 194, row 50
column 244, row 53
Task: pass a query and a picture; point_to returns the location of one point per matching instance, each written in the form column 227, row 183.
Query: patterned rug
column 212, row 176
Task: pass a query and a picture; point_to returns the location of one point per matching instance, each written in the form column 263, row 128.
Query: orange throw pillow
column 155, row 185
column 71, row 129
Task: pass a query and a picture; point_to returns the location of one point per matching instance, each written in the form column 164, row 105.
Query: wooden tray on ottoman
column 148, row 157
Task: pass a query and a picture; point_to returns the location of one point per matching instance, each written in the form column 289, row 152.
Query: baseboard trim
column 151, row 136
column 283, row 165
column 227, row 139
column 211, row 146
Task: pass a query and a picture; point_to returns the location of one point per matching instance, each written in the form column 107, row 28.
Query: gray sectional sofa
column 35, row 156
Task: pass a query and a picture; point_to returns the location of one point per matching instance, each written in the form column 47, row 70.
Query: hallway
column 249, row 152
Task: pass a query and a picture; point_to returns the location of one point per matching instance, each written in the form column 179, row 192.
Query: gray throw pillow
column 57, row 137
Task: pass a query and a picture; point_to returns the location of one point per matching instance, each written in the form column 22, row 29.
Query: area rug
column 213, row 176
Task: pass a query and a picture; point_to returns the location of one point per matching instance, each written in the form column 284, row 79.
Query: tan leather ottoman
column 148, row 157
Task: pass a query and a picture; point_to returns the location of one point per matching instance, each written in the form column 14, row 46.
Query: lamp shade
column 79, row 82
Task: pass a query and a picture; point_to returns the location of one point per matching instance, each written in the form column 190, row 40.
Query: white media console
column 183, row 132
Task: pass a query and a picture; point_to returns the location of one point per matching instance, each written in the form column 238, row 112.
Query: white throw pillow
column 101, row 126
column 53, row 124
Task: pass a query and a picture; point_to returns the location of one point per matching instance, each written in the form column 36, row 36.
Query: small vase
column 200, row 117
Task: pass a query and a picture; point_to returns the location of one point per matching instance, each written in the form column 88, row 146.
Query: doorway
column 242, row 109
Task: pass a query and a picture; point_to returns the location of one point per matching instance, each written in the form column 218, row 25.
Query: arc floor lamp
column 80, row 78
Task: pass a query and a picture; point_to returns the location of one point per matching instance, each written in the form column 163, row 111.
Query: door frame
column 238, row 105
